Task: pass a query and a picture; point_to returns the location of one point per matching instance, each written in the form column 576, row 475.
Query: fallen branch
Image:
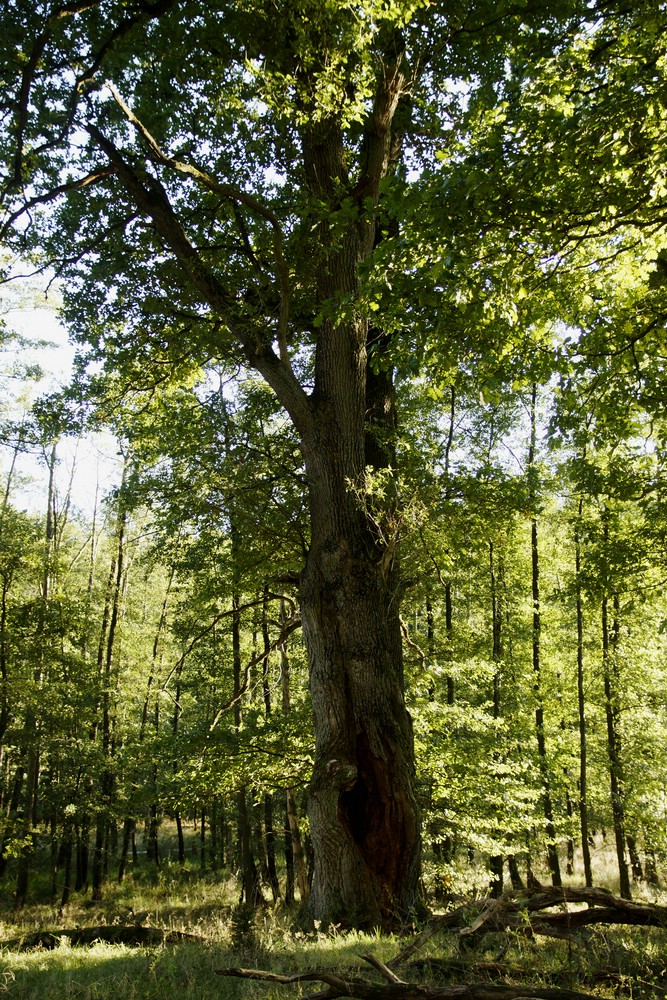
column 525, row 911
column 109, row 933
column 340, row 985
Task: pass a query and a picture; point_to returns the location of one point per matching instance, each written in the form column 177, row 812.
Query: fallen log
column 133, row 935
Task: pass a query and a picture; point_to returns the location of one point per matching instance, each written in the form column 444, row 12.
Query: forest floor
column 604, row 961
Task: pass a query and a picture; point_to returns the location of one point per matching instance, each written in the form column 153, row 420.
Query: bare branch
column 383, row 969
column 291, row 625
column 94, row 177
column 295, row 621
column 361, row 989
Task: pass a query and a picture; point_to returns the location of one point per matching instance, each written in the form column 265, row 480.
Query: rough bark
column 363, row 813
column 362, row 810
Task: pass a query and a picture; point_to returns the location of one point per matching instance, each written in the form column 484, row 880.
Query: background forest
column 371, row 297
column 154, row 682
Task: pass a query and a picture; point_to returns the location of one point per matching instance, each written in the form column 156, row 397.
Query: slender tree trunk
column 515, row 874
column 214, row 827
column 7, row 577
column 609, row 653
column 202, row 840
column 66, row 867
column 105, row 662
column 181, row 839
column 552, row 852
column 569, row 870
column 496, row 862
column 635, row 860
column 31, row 725
column 152, row 846
column 581, row 703
column 271, row 874
column 4, row 677
column 251, row 890
column 289, row 861
column 651, row 867
column 12, row 814
column 295, row 852
column 128, row 827
column 174, row 729
column 449, row 613
column 82, row 853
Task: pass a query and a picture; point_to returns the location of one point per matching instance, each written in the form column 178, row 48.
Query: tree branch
column 94, row 177
column 231, row 193
column 226, row 614
column 152, row 200
column 361, row 989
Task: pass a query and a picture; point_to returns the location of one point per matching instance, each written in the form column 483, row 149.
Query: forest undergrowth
column 604, row 961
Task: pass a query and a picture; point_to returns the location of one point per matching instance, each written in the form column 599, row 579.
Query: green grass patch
column 607, row 961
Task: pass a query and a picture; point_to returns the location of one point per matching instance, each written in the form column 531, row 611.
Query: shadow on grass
column 114, row 972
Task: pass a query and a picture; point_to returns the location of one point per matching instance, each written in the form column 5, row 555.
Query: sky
column 90, row 467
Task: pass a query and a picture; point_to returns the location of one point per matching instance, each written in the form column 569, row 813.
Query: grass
column 612, row 961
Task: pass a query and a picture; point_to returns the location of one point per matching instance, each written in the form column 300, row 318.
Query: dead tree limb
column 528, row 911
column 340, row 985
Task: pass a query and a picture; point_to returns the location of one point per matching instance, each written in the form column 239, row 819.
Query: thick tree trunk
column 363, row 815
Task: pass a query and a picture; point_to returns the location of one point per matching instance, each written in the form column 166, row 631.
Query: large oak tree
column 213, row 180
